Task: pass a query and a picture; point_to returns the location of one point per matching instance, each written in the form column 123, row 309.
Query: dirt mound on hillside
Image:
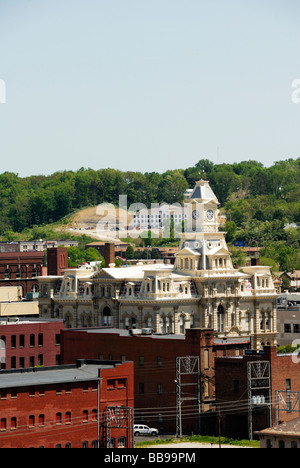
column 102, row 214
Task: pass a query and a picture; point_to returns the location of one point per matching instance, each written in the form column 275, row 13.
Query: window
column 141, row 360
column 206, row 359
column 31, row 420
column 287, row 328
column 41, row 420
column 13, row 423
column 192, row 321
column 58, row 418
column 220, row 318
column 40, row 339
column 141, row 388
column 94, row 415
column 121, row 383
column 32, row 341
column 13, row 341
column 296, row 328
column 159, row 361
column 159, row 389
column 248, row 321
column 288, row 384
column 21, row 341
column 262, row 320
column 68, row 417
column 57, row 339
column 110, row 384
column 182, row 325
column 13, row 362
column 107, row 317
column 121, row 442
column 269, row 443
column 3, row 424
column 236, row 385
column 85, row 416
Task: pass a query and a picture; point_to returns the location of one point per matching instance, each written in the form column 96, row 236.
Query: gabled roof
column 187, row 251
column 217, row 251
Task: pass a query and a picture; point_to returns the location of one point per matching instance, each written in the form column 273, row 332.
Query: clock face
column 195, row 214
column 210, row 215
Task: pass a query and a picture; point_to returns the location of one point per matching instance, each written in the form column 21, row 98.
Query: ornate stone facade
column 202, row 289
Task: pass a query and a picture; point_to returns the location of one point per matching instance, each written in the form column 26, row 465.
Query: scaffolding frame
column 259, row 385
column 119, row 417
column 287, row 401
column 187, row 366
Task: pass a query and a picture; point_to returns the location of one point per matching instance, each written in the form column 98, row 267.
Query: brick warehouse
column 154, row 360
column 29, row 343
column 232, row 391
column 87, row 405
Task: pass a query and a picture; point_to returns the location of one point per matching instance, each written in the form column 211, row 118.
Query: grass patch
column 200, row 439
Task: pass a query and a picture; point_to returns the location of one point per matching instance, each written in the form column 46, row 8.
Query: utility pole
column 187, row 365
column 219, row 421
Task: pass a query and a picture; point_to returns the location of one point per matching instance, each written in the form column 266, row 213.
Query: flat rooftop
column 83, row 370
column 166, row 336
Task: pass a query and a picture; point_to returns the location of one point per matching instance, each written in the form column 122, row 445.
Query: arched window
column 182, row 324
column 262, row 320
column 106, row 317
column 220, row 318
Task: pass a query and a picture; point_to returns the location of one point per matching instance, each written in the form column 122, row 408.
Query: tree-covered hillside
column 258, row 201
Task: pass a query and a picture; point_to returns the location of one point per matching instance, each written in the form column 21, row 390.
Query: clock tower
column 202, row 245
column 202, row 209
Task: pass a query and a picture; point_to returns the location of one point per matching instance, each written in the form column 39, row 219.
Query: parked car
column 141, row 429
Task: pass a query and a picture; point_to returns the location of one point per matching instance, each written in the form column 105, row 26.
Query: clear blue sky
column 147, row 85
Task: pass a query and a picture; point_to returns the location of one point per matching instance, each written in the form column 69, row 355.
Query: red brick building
column 29, row 343
column 21, row 269
column 154, row 358
column 24, row 268
column 87, row 405
column 232, row 391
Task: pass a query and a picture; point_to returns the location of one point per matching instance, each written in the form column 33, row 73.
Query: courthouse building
column 201, row 290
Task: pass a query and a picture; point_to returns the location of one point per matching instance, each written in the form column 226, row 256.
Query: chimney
column 109, row 254
column 57, row 260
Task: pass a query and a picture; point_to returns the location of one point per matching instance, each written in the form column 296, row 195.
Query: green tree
column 129, row 254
